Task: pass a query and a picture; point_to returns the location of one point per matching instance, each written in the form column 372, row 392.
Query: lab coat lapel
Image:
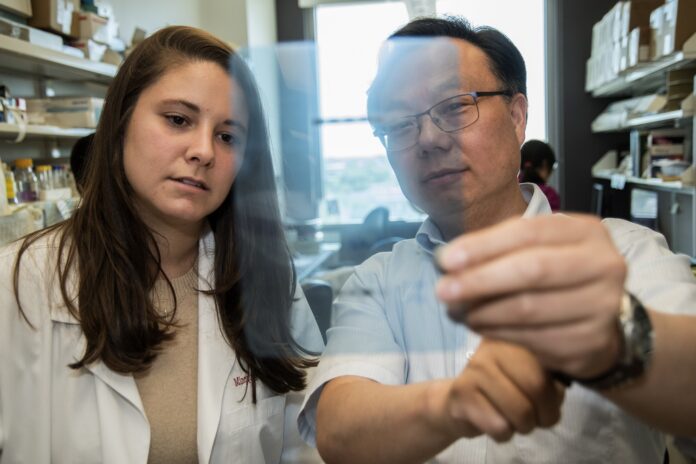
column 123, row 384
column 123, row 426
column 215, row 357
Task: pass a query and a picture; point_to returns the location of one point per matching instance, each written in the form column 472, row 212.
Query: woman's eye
column 229, row 139
column 176, row 120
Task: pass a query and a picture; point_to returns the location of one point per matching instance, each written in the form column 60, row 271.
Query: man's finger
column 512, row 235
column 530, row 269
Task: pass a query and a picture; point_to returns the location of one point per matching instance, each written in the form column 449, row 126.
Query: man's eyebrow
column 195, row 108
column 453, row 83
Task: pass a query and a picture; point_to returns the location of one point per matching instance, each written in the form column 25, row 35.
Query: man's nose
column 431, row 137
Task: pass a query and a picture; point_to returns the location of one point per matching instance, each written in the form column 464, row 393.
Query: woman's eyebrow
column 186, row 103
column 196, row 109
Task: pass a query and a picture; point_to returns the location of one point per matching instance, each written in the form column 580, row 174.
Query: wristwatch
column 636, row 348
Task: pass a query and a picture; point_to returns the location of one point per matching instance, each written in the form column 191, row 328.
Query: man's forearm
column 665, row 396
column 363, row 421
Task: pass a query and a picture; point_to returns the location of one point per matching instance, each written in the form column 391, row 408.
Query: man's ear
column 518, row 112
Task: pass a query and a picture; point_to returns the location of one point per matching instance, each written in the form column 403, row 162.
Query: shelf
column 648, row 121
column 675, row 186
column 645, row 76
column 25, row 57
column 10, row 131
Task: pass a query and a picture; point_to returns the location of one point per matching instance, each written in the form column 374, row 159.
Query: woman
column 162, row 322
column 536, row 167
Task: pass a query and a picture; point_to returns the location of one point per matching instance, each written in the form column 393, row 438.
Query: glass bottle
column 26, row 181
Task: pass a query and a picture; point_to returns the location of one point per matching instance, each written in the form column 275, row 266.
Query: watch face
column 638, row 345
column 642, row 331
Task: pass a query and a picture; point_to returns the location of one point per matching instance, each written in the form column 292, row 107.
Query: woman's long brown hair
column 115, row 255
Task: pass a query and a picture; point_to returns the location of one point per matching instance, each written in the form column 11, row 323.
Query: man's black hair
column 506, row 60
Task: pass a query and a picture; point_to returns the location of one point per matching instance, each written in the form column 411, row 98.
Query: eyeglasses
column 450, row 115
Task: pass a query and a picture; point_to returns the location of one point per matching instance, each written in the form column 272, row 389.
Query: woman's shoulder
column 36, row 251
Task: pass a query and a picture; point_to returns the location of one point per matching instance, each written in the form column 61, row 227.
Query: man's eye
column 456, row 107
column 397, row 128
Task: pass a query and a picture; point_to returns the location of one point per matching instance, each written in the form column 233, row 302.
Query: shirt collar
column 429, row 236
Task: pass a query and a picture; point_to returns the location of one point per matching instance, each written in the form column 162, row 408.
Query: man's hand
column 502, row 391
column 552, row 284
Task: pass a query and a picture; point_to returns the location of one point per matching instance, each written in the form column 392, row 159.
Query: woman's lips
column 191, row 182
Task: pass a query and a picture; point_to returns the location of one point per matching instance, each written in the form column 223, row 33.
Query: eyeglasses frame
column 474, row 94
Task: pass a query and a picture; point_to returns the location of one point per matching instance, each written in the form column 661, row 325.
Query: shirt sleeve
column 303, row 325
column 660, row 278
column 360, row 340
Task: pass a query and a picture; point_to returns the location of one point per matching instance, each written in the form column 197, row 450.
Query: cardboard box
column 30, row 34
column 615, row 15
column 679, row 24
column 657, row 20
column 92, row 50
column 19, row 7
column 54, row 15
column 89, row 26
column 623, row 63
column 14, row 30
column 638, row 46
column 112, row 57
column 66, row 111
column 636, row 13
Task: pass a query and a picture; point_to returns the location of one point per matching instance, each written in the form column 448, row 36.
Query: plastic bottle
column 26, row 181
column 3, row 191
column 45, row 176
column 58, row 176
column 10, row 186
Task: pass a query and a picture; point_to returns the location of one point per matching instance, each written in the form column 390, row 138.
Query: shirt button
column 469, row 354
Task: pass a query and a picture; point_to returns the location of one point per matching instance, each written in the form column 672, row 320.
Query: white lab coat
column 50, row 413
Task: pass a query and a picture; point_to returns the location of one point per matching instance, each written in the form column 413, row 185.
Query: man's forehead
column 430, row 69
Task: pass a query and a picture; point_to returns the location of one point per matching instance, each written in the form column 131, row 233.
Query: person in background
column 403, row 378
column 162, row 321
column 78, row 159
column 538, row 162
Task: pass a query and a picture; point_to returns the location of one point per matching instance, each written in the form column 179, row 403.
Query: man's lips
column 191, row 181
column 442, row 173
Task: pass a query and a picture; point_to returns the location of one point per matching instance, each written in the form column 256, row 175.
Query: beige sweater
column 169, row 388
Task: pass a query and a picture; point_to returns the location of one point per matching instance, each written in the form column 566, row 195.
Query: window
column 357, row 176
column 523, row 22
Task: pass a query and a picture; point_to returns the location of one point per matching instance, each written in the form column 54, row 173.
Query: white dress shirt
column 388, row 326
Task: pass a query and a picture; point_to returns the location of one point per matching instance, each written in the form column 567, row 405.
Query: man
column 402, row 382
